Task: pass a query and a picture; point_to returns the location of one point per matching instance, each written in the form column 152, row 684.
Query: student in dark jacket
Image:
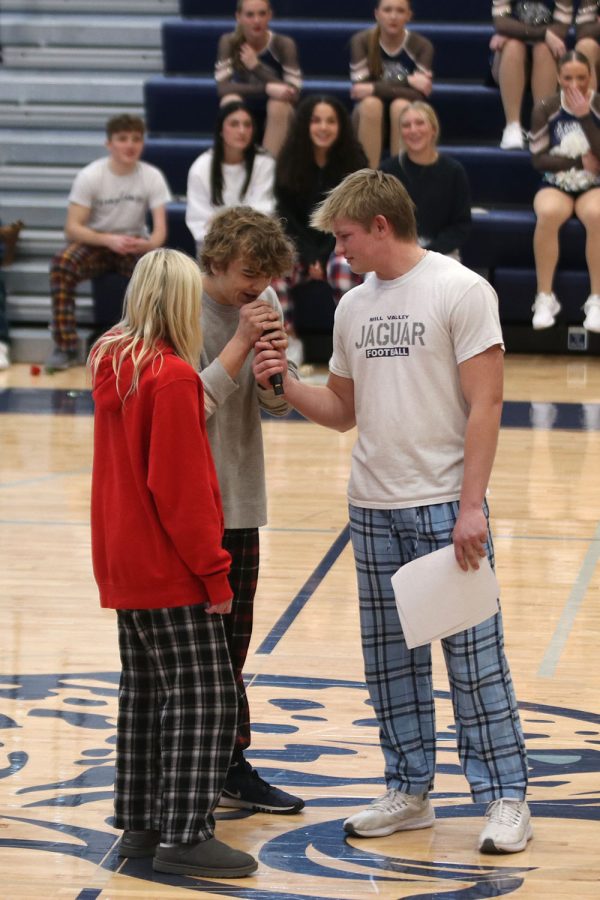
column 319, row 152
column 437, row 184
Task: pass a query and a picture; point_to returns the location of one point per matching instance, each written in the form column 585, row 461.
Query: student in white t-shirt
column 234, row 172
column 106, row 226
column 417, row 367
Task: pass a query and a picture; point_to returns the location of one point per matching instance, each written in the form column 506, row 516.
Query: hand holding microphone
column 276, row 380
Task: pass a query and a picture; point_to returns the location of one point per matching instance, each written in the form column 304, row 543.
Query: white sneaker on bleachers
column 512, row 137
column 592, row 313
column 545, row 310
column 4, row 356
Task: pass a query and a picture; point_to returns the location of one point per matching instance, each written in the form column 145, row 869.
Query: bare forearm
column 481, row 440
column 81, row 234
column 319, row 404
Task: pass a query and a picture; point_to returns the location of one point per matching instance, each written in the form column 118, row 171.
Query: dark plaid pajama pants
column 176, row 723
column 75, row 263
column 488, row 730
column 243, row 546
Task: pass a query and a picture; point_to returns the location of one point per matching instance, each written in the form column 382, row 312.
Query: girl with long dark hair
column 320, row 150
column 233, row 172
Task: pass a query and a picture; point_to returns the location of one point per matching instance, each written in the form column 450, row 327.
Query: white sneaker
column 508, row 828
column 512, row 137
column 393, row 811
column 592, row 313
column 4, row 356
column 545, row 310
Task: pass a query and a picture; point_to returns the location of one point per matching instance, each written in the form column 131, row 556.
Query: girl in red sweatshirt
column 157, row 525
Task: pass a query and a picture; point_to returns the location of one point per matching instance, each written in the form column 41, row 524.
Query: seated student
column 157, row 527
column 389, row 67
column 587, row 34
column 106, row 226
column 565, row 143
column 261, row 68
column 233, row 172
column 437, row 184
column 9, row 235
column 529, row 38
column 319, row 152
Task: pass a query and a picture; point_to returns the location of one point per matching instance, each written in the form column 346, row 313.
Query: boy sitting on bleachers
column 106, row 226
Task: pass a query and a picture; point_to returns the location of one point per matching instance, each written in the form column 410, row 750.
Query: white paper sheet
column 436, row 598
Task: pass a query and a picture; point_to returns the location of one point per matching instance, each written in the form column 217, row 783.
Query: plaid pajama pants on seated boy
column 75, row 263
column 177, row 721
column 488, row 730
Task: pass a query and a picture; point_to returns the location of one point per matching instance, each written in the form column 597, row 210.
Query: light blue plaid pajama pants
column 488, row 730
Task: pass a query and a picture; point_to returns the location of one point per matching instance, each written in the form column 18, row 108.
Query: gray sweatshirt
column 234, row 429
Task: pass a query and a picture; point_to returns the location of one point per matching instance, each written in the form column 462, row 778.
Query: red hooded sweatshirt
column 157, row 521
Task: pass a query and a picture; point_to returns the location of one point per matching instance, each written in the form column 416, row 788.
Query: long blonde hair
column 162, row 304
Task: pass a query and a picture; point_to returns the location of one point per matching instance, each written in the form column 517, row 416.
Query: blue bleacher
column 424, row 10
column 190, row 48
column 181, row 106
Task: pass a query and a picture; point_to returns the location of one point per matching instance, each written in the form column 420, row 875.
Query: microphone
column 276, row 381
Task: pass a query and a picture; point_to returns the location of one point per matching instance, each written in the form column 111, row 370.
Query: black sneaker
column 245, row 789
column 137, row 844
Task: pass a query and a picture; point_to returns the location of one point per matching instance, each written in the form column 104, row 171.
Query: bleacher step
column 138, row 7
column 30, row 277
column 27, row 88
column 43, row 178
column 50, row 147
column 40, row 115
column 33, row 345
column 81, row 30
column 37, row 210
column 115, row 59
column 37, row 242
column 36, row 308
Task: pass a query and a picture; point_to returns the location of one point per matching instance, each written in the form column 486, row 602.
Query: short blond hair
column 363, row 195
column 240, row 232
column 162, row 304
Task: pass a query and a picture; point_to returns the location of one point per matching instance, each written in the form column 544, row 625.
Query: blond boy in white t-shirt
column 106, row 226
column 417, row 367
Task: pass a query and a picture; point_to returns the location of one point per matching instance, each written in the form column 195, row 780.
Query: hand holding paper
column 436, row 598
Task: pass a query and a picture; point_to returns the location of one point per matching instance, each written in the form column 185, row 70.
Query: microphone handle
column 276, row 381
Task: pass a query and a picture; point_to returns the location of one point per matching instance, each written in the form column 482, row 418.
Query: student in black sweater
column 320, row 150
column 437, row 184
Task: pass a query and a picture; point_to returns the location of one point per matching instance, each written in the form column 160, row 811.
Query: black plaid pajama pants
column 243, row 546
column 176, row 722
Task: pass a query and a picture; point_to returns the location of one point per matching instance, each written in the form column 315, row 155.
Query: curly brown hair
column 241, row 232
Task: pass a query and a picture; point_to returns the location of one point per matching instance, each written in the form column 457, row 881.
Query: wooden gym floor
column 313, row 729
